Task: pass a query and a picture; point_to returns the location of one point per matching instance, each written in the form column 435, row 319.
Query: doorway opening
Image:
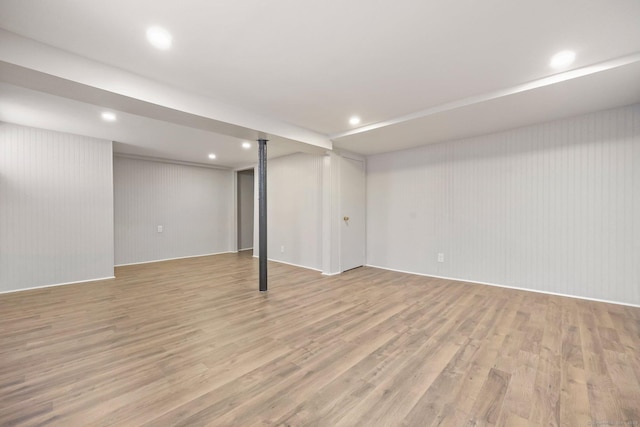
column 245, row 198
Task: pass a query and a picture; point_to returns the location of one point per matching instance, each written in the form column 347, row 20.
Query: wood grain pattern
column 192, row 343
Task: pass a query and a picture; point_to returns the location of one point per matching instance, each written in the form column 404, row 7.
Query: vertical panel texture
column 294, row 211
column 56, row 208
column 553, row 207
column 193, row 205
column 245, row 209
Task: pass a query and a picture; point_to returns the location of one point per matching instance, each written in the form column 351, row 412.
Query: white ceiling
column 144, row 137
column 395, row 64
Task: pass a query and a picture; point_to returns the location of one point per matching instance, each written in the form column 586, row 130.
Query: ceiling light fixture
column 159, row 38
column 246, row 145
column 212, row 156
column 355, row 120
column 562, row 59
column 108, row 116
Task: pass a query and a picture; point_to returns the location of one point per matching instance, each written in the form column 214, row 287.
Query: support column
column 262, row 211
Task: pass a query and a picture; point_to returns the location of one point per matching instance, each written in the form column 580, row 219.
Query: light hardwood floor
column 192, row 342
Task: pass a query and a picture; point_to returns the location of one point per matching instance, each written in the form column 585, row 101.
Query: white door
column 352, row 205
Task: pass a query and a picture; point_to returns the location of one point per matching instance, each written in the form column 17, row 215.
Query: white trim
column 171, row 259
column 290, row 263
column 508, row 287
column 245, row 249
column 57, row 284
column 332, row 274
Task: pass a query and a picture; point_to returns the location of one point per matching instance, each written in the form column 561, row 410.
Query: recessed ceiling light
column 212, row 156
column 246, row 145
column 562, row 59
column 108, row 116
column 159, row 37
column 355, row 120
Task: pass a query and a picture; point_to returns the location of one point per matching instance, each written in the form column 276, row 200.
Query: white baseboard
column 331, row 274
column 507, row 287
column 290, row 263
column 172, row 259
column 245, row 249
column 57, row 284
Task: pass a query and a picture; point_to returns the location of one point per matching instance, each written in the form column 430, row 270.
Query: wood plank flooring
column 193, row 343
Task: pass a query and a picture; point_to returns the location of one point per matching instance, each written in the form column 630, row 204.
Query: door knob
column 346, row 218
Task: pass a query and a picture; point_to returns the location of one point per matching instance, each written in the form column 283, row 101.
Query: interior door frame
column 236, row 209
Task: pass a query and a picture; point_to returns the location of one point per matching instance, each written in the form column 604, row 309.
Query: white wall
column 553, row 207
column 245, row 209
column 56, row 216
column 294, row 210
column 331, row 210
column 193, row 204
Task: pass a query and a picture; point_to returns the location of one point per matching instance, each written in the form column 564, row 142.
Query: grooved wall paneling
column 194, row 206
column 56, row 208
column 294, row 210
column 245, row 209
column 553, row 207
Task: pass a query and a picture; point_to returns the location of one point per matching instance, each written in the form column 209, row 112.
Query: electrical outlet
column 440, row 257
column 160, row 229
column 281, row 249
